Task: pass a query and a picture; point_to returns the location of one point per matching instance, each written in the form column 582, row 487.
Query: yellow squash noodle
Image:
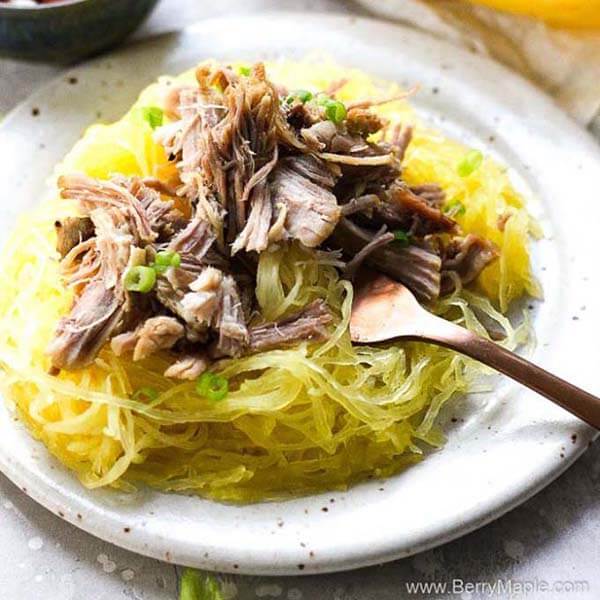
column 296, row 421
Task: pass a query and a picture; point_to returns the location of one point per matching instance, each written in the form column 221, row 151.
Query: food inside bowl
column 192, row 277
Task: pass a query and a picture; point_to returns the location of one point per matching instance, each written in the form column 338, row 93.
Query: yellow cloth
column 565, row 63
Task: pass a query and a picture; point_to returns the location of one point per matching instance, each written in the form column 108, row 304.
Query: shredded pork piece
column 199, row 308
column 370, row 103
column 432, row 193
column 310, row 167
column 466, row 257
column 188, row 367
column 402, row 209
column 110, row 196
column 310, row 324
column 380, row 239
column 157, row 333
column 311, row 211
column 71, row 231
column 363, row 122
column 195, row 240
column 164, row 218
column 100, row 309
column 415, row 267
column 360, row 204
column 255, row 235
column 329, row 139
column 233, row 333
column 401, row 138
column 90, row 323
column 358, row 161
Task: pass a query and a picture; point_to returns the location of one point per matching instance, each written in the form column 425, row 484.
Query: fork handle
column 571, row 398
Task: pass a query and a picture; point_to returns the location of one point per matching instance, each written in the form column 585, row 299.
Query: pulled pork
column 309, row 324
column 256, row 168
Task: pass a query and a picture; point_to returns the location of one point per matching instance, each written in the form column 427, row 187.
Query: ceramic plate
column 502, row 447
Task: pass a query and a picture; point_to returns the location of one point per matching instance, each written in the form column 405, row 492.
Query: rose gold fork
column 384, row 309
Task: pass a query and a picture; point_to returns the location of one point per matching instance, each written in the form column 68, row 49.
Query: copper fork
column 384, row 309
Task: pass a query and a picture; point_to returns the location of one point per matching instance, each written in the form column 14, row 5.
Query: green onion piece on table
column 195, row 585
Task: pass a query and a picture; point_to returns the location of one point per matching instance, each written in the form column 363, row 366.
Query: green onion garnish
column 302, row 95
column 455, row 207
column 470, row 163
column 401, row 237
column 140, row 279
column 164, row 260
column 245, row 71
column 335, row 111
column 153, row 115
column 196, row 585
column 168, row 258
column 323, row 99
column 145, row 392
column 212, row 386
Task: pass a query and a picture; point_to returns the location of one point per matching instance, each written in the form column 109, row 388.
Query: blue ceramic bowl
column 68, row 30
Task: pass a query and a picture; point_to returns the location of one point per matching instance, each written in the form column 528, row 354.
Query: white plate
column 504, row 447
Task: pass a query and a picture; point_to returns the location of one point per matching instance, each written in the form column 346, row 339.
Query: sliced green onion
column 140, row 279
column 164, row 260
column 146, row 392
column 168, row 258
column 401, row 237
column 153, row 115
column 212, row 386
column 323, row 99
column 470, row 163
column 245, row 71
column 159, row 269
column 455, row 207
column 302, row 95
column 196, row 585
column 335, row 111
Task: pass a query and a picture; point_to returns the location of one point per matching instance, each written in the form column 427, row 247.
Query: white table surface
column 552, row 540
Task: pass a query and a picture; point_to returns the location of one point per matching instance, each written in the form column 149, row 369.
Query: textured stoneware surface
column 503, row 447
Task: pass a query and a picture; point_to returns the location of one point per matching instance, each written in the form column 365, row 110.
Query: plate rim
column 41, row 489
